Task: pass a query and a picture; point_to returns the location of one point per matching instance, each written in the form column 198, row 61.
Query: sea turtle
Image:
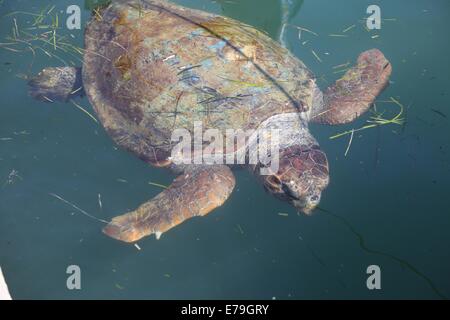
column 152, row 66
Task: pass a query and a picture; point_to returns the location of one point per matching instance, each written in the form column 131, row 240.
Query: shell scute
column 157, row 66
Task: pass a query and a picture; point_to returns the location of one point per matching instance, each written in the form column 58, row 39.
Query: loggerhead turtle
column 151, row 66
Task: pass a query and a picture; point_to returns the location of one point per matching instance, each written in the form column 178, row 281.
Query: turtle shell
column 152, row 66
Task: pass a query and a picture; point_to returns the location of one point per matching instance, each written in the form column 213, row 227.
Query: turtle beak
column 308, row 209
column 307, row 205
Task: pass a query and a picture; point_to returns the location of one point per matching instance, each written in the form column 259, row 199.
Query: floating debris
column 97, row 14
column 315, row 55
column 84, row 110
column 16, row 28
column 443, row 115
column 169, row 58
column 341, row 71
column 41, row 34
column 158, row 185
column 378, row 120
column 118, row 286
column 299, row 35
column 338, row 35
column 100, row 201
column 344, row 65
column 77, row 208
column 365, row 27
column 77, row 90
column 95, row 4
column 48, row 99
column 303, row 29
column 349, row 28
column 349, row 143
column 240, row 228
column 283, row 214
column 21, row 133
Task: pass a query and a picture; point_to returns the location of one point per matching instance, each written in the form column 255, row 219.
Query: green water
column 392, row 188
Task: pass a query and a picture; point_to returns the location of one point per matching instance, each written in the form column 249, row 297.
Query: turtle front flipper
column 354, row 93
column 195, row 193
column 56, row 84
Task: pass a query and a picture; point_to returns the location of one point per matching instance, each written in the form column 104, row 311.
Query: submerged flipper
column 354, row 93
column 195, row 193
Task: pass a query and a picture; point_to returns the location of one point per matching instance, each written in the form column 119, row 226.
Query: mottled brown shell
column 151, row 67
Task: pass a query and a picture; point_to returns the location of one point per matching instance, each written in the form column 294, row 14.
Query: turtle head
column 301, row 177
column 56, row 84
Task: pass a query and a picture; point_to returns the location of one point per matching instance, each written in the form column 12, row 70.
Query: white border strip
column 4, row 293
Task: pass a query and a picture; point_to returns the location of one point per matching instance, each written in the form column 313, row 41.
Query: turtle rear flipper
column 56, row 84
column 195, row 193
column 354, row 93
